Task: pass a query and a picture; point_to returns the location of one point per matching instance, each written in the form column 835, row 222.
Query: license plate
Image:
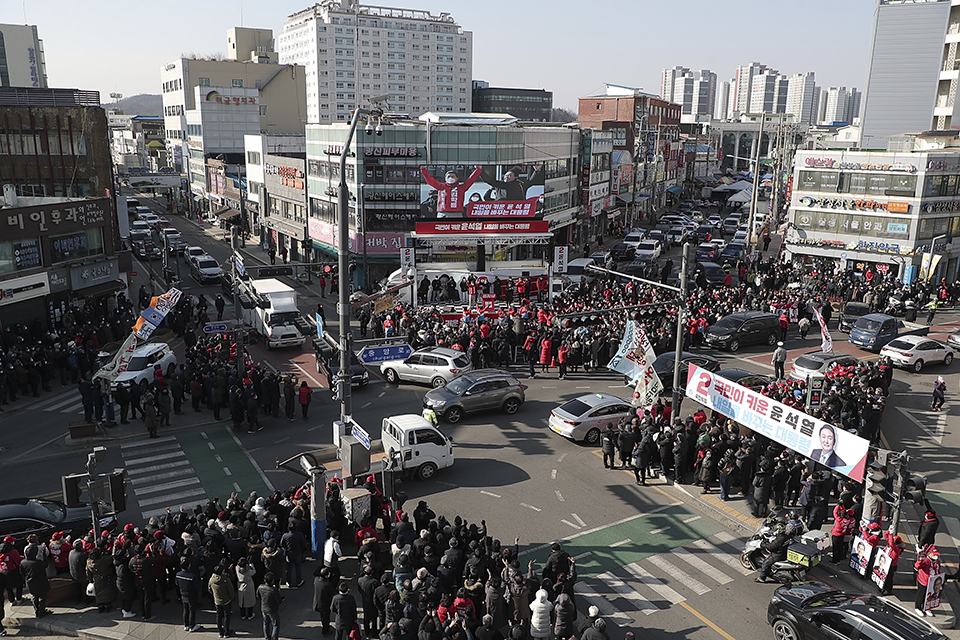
column 555, row 429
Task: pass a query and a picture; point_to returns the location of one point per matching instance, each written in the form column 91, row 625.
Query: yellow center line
column 707, row 622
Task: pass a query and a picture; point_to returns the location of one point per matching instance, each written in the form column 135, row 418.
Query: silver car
column 435, row 366
column 817, row 363
column 478, row 390
column 585, row 417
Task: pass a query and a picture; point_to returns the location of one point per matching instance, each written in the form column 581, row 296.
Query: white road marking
column 61, row 403
column 147, row 443
column 166, row 456
column 694, row 518
column 210, row 444
column 560, row 459
column 204, row 434
column 236, row 487
column 553, row 474
column 936, row 432
column 307, row 373
column 700, row 565
column 154, row 478
column 660, row 530
column 582, row 555
column 382, row 393
column 175, row 498
column 559, row 496
column 579, row 520
column 607, row 609
column 176, row 484
column 583, row 387
column 446, row 484
column 575, row 526
column 226, row 470
column 731, row 561
column 654, row 583
column 366, row 405
column 621, row 588
column 621, row 543
column 158, row 467
column 217, row 457
column 679, row 575
column 494, row 495
column 530, row 506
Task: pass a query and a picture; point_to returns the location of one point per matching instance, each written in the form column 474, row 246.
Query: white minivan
column 414, row 445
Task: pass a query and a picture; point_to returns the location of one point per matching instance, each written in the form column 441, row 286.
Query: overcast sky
column 570, row 48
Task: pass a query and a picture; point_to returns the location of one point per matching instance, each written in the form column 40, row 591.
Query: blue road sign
column 319, row 325
column 362, row 436
column 214, row 328
column 372, row 355
column 240, row 270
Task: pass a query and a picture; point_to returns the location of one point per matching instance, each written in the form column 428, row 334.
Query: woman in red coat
column 546, row 348
column 562, row 354
column 304, row 393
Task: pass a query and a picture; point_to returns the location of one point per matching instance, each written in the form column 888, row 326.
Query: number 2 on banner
column 703, row 387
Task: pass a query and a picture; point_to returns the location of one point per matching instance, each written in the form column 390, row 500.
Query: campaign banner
column 635, row 359
column 527, row 209
column 934, row 590
column 826, row 342
column 860, row 552
column 820, row 441
column 881, row 567
column 120, row 361
column 482, row 226
column 458, row 191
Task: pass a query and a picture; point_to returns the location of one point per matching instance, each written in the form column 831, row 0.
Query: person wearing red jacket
column 894, row 549
column 871, row 534
column 10, row 560
column 60, row 552
column 451, row 193
column 844, row 521
column 927, row 564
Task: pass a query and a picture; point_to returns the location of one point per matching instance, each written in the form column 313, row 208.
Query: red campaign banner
column 502, row 209
column 454, row 227
column 488, row 302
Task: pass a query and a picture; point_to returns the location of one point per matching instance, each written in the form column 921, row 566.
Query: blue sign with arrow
column 373, row 355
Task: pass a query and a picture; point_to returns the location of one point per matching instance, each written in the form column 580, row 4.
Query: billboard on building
column 488, row 192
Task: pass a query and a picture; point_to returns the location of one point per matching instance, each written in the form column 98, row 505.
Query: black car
column 852, row 311
column 738, row 329
column 663, row 365
column 815, row 611
column 712, row 272
column 623, row 252
column 645, row 267
column 328, row 363
column 748, row 379
column 732, row 252
column 19, row 517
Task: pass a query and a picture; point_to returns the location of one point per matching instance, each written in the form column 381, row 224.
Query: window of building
column 238, row 82
column 20, row 254
column 80, row 244
column 203, row 82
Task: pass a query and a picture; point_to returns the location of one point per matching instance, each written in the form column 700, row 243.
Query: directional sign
column 240, row 270
column 214, row 328
column 372, row 355
column 362, row 436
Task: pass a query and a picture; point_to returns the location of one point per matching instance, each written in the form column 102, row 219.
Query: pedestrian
column 931, row 311
column 220, row 304
column 778, row 360
column 562, row 355
column 270, row 606
column 608, row 446
column 939, row 394
column 367, row 585
column 221, row 587
column 273, row 255
column 927, row 565
column 926, row 534
column 304, row 395
column 10, row 577
column 784, row 325
column 332, row 554
column 289, row 399
column 78, row 570
column 144, row 576
column 804, row 326
column 253, row 420
column 246, row 589
column 150, row 415
column 33, row 568
column 295, row 547
column 344, row 609
column 163, row 408
column 430, row 416
column 541, row 609
column 101, row 573
column 708, row 469
column 283, row 253
column 188, row 584
column 324, row 589
column 894, row 549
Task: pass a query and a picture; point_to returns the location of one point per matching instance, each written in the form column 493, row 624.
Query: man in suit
column 826, row 455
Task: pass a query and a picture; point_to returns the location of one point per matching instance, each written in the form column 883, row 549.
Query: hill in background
column 143, row 104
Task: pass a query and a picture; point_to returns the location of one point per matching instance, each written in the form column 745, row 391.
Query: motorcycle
column 895, row 305
column 794, row 568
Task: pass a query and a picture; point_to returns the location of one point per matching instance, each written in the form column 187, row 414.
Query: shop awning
column 102, row 288
column 625, row 197
column 674, row 189
column 226, row 213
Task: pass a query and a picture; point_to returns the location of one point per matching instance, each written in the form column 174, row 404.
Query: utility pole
column 756, row 184
column 681, row 325
column 237, row 330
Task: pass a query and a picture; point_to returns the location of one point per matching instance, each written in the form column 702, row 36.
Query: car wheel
column 453, row 415
column 511, row 405
column 734, row 346
column 438, row 382
column 144, row 385
column 918, row 366
column 784, row 630
column 426, row 471
column 947, row 359
column 771, row 339
column 593, row 436
column 391, row 376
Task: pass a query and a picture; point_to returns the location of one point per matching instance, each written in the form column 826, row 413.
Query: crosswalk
column 660, row 581
column 63, row 403
column 162, row 476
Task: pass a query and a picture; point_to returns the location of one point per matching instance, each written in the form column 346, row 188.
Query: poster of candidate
column 860, row 552
column 881, row 567
column 934, row 590
column 489, row 191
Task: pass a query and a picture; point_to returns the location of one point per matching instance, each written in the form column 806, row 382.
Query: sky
column 570, row 48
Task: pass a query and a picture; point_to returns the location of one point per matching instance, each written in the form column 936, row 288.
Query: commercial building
column 912, row 71
column 256, row 149
column 137, row 142
column 277, row 90
column 388, row 193
column 60, row 242
column 880, row 210
column 353, row 52
column 530, row 105
column 22, row 62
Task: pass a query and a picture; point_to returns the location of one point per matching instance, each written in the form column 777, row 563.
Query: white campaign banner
column 121, row 360
column 820, row 441
column 635, row 357
column 826, row 342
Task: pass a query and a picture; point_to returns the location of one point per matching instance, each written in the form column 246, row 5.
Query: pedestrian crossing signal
column 118, row 490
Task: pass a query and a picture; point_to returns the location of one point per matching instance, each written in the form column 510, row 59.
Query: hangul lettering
column 55, row 216
column 253, row 100
column 220, row 99
column 236, row 101
column 792, row 440
column 776, row 413
column 806, row 426
column 37, row 216
column 781, row 433
column 762, row 406
column 16, row 220
column 72, row 214
column 793, row 419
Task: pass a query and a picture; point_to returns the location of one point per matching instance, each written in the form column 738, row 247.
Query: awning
column 102, row 288
column 625, row 197
column 674, row 189
column 226, row 213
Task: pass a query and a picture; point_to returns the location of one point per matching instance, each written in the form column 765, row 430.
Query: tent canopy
column 739, row 196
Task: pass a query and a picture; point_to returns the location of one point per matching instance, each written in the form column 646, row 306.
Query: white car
column 192, row 253
column 150, row 218
column 205, row 269
column 143, row 361
column 634, row 238
column 648, row 249
column 585, row 417
column 914, row 352
column 435, row 366
column 740, row 237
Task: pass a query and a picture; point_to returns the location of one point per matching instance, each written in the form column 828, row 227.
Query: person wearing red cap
column 927, row 564
column 894, row 549
column 844, row 521
column 871, row 533
column 928, row 528
column 60, row 552
column 10, row 560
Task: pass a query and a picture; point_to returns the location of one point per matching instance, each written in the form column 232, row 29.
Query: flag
column 826, row 342
column 121, row 360
column 635, row 359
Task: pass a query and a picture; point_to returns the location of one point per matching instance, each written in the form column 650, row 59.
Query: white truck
column 270, row 308
column 415, row 446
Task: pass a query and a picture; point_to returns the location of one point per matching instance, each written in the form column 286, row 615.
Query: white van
column 415, row 445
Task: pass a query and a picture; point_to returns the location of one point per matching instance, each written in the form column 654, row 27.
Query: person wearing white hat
column 779, row 360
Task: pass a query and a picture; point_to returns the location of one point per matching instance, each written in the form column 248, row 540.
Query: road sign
column 319, row 325
column 373, row 355
column 218, row 327
column 240, row 270
column 362, row 436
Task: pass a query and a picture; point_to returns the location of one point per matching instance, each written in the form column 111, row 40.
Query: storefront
column 22, row 300
column 97, row 283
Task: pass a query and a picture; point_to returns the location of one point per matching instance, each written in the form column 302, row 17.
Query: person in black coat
column 34, row 573
column 344, row 607
column 78, row 571
column 323, row 593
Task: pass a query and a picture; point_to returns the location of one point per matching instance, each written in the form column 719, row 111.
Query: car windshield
column 804, row 362
column 461, row 362
column 207, row 264
column 646, row 246
column 459, row 385
column 282, row 317
column 865, row 324
column 45, row 510
column 137, row 363
column 575, row 407
column 633, row 238
column 854, row 309
column 728, row 323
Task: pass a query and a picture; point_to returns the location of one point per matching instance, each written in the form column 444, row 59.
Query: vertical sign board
column 560, row 255
column 407, row 259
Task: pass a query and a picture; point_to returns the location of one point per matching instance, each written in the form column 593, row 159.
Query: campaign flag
column 826, row 342
column 635, row 359
column 120, row 361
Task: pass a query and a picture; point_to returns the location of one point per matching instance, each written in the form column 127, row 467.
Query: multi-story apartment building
column 694, row 91
column 802, row 97
column 21, row 57
column 742, row 88
column 353, row 52
column 840, row 105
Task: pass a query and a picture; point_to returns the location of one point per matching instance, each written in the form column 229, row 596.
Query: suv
column 817, row 363
column 434, row 365
column 205, row 269
column 737, row 329
column 143, row 361
column 479, row 390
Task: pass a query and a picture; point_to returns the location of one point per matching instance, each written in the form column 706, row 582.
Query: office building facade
column 531, row 105
column 22, row 62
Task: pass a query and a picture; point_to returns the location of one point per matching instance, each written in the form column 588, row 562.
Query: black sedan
column 814, row 611
column 19, row 517
column 663, row 365
column 623, row 252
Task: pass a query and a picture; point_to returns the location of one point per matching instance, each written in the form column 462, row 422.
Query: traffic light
column 72, row 488
column 877, row 479
column 272, row 272
column 650, row 311
column 118, row 490
column 577, row 320
column 915, row 488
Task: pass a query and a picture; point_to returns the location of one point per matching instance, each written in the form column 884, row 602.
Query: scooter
column 895, row 305
column 783, row 571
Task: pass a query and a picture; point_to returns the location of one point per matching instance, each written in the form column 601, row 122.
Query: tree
column 562, row 115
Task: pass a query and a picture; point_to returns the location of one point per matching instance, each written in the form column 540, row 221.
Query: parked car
column 954, row 340
column 648, row 249
column 748, row 379
column 623, row 252
column 739, row 329
column 658, row 235
column 740, row 237
column 663, row 365
column 435, row 366
column 583, row 418
column 205, row 269
column 706, row 251
column 146, row 250
column 814, row 611
column 634, row 238
column 20, row 517
column 476, row 391
column 817, row 363
column 576, row 270
column 677, row 236
column 142, row 362
column 913, row 352
column 730, row 224
column 150, row 218
column 192, row 253
column 176, row 244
